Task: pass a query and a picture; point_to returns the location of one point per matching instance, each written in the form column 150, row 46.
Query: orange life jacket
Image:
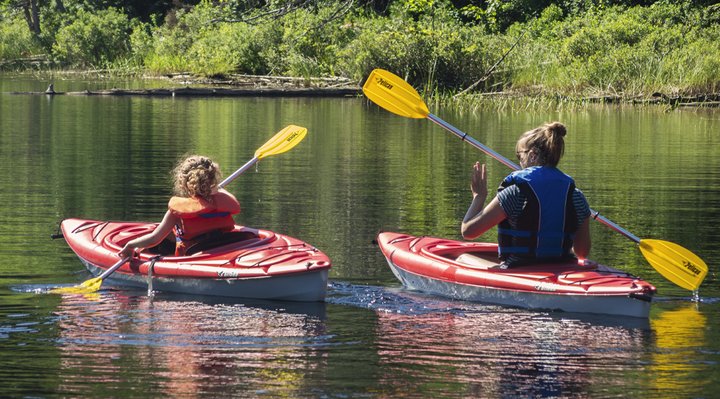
column 198, row 217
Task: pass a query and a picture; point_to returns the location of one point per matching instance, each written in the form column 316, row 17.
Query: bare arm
column 581, row 244
column 478, row 220
column 153, row 238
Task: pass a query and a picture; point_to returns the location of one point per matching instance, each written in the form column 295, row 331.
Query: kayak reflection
column 474, row 350
column 168, row 346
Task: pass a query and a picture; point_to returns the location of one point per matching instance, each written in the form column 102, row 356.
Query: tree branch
column 494, row 66
column 275, row 13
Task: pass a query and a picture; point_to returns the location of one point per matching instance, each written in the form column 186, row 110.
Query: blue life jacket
column 547, row 224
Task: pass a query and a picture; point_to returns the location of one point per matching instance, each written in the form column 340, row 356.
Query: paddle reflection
column 182, row 347
column 482, row 351
column 679, row 333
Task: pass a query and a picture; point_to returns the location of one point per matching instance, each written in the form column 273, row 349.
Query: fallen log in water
column 214, row 92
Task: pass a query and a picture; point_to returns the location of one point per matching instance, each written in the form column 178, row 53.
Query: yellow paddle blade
column 86, row 287
column 283, row 141
column 675, row 263
column 392, row 93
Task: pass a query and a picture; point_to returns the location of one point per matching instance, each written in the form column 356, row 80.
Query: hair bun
column 557, row 128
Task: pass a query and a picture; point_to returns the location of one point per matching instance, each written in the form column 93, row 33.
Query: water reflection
column 441, row 347
column 185, row 347
column 496, row 353
column 679, row 335
column 372, row 341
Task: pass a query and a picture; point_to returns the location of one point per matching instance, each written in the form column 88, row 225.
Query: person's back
column 201, row 208
column 198, row 208
column 199, row 219
column 541, row 217
column 540, row 213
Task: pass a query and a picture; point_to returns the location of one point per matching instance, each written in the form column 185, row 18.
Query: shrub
column 225, row 48
column 311, row 41
column 632, row 51
column 696, row 66
column 171, row 42
column 16, row 41
column 93, row 39
column 573, row 47
column 141, row 43
column 436, row 50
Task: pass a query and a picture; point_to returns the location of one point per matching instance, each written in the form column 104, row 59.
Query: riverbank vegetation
column 606, row 49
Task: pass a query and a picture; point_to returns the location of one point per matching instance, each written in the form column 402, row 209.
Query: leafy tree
column 93, row 38
column 30, row 10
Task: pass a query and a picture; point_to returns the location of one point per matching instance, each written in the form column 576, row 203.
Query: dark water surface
column 359, row 171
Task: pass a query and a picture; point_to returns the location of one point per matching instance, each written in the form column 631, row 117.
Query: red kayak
column 467, row 271
column 243, row 263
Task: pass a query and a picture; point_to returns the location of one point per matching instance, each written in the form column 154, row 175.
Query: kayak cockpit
column 237, row 239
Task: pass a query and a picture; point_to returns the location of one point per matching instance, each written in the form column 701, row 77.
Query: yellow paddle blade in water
column 86, row 287
column 283, row 141
column 92, row 285
column 392, row 93
column 675, row 263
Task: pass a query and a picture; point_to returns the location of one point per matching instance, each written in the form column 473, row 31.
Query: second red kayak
column 465, row 270
column 244, row 263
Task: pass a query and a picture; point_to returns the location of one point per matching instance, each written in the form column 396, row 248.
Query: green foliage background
column 572, row 47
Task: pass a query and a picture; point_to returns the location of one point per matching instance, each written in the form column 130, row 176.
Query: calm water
column 359, row 171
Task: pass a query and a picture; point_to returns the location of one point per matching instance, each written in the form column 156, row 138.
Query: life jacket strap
column 211, row 215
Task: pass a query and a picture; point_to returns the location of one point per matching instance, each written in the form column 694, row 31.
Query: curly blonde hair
column 196, row 176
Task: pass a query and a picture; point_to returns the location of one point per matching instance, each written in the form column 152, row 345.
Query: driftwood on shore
column 231, row 86
column 285, row 86
column 700, row 101
column 661, row 99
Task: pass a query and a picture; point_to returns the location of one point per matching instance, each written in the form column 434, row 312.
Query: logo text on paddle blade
column 292, row 136
column 384, row 83
column 691, row 267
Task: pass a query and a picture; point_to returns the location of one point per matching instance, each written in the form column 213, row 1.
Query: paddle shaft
column 114, row 267
column 238, row 172
column 512, row 165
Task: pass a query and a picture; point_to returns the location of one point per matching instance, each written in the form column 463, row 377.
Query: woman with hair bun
column 542, row 216
column 198, row 210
